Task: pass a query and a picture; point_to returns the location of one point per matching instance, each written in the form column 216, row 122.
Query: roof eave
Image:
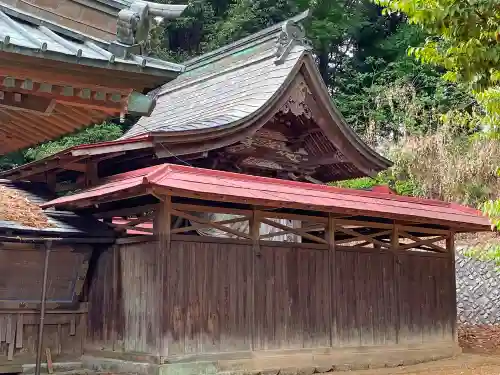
column 171, row 71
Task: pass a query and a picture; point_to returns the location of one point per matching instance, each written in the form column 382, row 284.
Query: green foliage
column 385, row 94
column 401, row 187
column 490, row 252
column 465, row 41
column 389, row 95
column 94, row 134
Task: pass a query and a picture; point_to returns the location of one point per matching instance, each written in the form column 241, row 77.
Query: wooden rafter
column 101, row 99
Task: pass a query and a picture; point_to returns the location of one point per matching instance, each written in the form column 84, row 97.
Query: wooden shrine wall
column 222, row 297
column 21, row 275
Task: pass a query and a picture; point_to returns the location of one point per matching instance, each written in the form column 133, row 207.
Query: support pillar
column 48, row 246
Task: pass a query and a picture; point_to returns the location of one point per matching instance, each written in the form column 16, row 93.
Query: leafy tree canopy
column 464, row 40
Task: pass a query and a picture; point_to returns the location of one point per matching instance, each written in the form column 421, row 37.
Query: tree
column 465, row 40
column 360, row 52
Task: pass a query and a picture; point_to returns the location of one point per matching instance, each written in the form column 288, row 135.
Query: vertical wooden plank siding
column 23, row 328
column 141, row 303
column 102, row 314
column 207, row 298
column 292, row 298
column 227, row 297
column 427, row 311
column 364, row 299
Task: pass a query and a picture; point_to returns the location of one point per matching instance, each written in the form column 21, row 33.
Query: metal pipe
column 48, row 246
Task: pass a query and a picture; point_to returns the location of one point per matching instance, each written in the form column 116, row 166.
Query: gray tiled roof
column 26, row 34
column 221, row 88
column 63, row 223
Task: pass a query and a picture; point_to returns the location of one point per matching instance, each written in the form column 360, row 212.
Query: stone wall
column 478, row 291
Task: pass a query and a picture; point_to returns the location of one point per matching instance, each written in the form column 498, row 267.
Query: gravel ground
column 465, row 364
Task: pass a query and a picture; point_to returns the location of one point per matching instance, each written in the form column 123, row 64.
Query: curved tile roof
column 212, row 96
column 30, row 35
column 223, row 95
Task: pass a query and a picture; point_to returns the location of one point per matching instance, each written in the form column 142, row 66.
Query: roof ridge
column 253, row 39
column 159, row 171
column 53, row 26
column 339, row 190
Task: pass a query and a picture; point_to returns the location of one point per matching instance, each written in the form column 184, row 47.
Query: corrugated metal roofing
column 26, row 34
column 269, row 192
column 63, row 223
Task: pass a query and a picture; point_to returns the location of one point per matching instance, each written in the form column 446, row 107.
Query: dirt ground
column 465, row 364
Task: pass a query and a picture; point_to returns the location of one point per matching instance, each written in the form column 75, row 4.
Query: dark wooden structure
column 308, row 278
column 22, row 252
column 55, row 80
column 369, row 282
column 257, row 106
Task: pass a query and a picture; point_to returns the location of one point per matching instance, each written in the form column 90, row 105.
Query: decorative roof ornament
column 134, row 24
column 296, row 103
column 292, row 34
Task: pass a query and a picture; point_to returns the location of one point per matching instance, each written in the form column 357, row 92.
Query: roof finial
column 292, row 34
column 134, row 24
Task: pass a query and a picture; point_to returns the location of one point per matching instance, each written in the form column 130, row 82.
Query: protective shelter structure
column 370, row 283
column 55, row 80
column 54, row 257
column 257, row 106
column 251, row 264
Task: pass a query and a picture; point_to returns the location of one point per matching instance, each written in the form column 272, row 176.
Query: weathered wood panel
column 292, row 299
column 223, row 297
column 140, row 296
column 21, row 274
column 103, row 311
column 207, row 293
column 364, row 299
column 59, row 337
column 427, row 299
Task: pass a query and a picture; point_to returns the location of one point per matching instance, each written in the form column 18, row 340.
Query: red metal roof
column 239, row 188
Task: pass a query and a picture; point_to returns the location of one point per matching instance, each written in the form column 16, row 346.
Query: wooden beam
column 361, row 236
column 367, row 237
column 209, row 225
column 450, row 247
column 112, row 148
column 255, row 236
column 70, row 95
column 315, row 228
column 162, row 227
column 208, row 222
column 58, row 163
column 295, row 231
column 332, row 267
column 394, row 239
column 26, row 102
column 417, row 239
column 124, row 212
column 427, row 242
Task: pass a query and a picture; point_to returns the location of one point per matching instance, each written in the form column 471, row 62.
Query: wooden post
column 162, row 228
column 397, row 292
column 48, row 246
column 332, row 266
column 114, row 323
column 255, row 234
column 450, row 247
